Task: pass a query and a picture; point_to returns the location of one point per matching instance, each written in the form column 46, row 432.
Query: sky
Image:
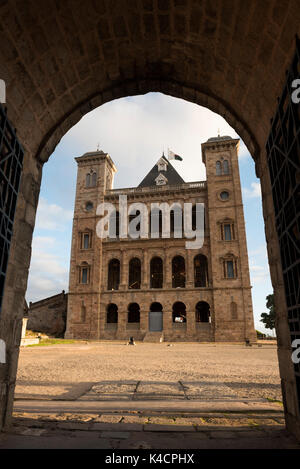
column 135, row 131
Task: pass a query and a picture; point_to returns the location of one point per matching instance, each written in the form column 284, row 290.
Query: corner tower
column 94, row 176
column 228, row 248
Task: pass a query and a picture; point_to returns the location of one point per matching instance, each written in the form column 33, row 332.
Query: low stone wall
column 49, row 315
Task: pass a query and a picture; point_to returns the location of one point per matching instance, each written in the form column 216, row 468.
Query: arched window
column 113, row 280
column 134, row 273
column 200, row 271
column 202, row 311
column 178, row 272
column 156, row 307
column 179, row 312
column 156, row 223
column 94, row 179
column 156, row 273
column 114, row 224
column 225, row 167
column 88, row 180
column 176, row 221
column 218, row 168
column 133, row 313
column 233, row 309
column 112, row 314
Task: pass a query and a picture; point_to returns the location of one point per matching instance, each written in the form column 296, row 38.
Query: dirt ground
column 114, row 370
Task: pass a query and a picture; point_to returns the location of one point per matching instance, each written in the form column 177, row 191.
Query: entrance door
column 155, row 321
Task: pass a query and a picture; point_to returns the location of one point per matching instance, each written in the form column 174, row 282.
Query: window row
column 156, row 273
column 202, row 312
column 155, row 222
column 229, row 269
column 226, row 233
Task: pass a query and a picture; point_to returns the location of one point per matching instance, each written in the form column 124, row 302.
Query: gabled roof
column 171, row 174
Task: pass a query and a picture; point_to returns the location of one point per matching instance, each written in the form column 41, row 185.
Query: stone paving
column 186, row 396
column 149, row 430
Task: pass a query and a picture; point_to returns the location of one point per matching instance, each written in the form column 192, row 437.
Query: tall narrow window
column 84, row 273
column 178, row 272
column 134, row 273
column 114, row 224
column 113, row 280
column 218, row 168
column 156, row 273
column 88, row 180
column 229, row 269
column 94, row 179
column 200, row 271
column 225, row 167
column 227, row 232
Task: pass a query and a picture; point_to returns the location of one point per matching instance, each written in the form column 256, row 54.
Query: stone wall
column 49, row 315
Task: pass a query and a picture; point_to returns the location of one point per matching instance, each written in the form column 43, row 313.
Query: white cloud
column 134, row 131
column 51, row 216
column 49, row 272
column 254, row 192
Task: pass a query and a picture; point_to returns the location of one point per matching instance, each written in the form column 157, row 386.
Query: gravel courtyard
column 113, row 370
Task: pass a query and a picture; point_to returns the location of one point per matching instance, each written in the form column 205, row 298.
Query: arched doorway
column 156, row 317
column 179, row 313
column 112, row 314
column 202, row 312
column 133, row 313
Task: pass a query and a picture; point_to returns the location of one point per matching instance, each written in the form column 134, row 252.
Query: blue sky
column 135, row 131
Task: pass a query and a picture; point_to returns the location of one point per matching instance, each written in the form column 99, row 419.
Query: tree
column 269, row 318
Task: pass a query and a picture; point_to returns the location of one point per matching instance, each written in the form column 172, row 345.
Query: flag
column 173, row 156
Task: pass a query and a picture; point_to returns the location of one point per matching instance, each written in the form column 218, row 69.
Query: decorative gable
column 161, row 180
column 162, row 164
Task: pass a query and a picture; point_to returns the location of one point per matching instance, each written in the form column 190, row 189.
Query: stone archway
column 230, row 59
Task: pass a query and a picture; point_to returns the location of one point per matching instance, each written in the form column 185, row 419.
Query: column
column 167, row 283
column 167, row 323
column 190, row 323
column 145, row 270
column 124, row 271
column 189, row 268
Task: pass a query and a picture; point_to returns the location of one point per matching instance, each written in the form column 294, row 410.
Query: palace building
column 154, row 288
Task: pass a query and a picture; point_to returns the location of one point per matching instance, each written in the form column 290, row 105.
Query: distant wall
column 49, row 315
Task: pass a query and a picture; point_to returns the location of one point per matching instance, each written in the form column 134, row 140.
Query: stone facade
column 215, row 303
column 49, row 315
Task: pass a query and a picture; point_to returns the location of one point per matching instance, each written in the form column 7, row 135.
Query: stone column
column 145, row 270
column 124, row 271
column 144, row 321
column 189, row 268
column 167, row 323
column 122, row 321
column 167, row 283
column 190, row 323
